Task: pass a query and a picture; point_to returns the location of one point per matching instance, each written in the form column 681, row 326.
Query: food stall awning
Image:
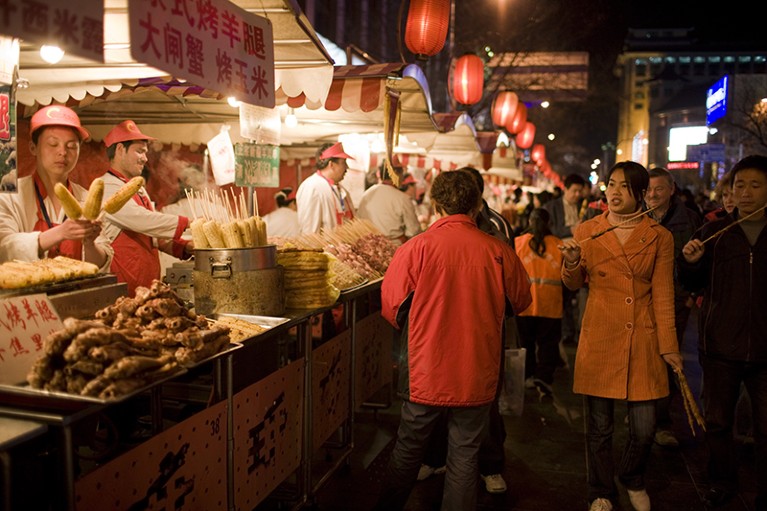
column 302, row 65
column 505, row 164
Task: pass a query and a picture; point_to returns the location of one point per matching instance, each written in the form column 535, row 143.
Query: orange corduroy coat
column 629, row 318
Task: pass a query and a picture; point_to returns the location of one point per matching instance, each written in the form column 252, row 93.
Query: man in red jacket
column 448, row 289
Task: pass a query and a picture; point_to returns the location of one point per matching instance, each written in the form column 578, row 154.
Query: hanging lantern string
column 720, row 231
column 612, row 227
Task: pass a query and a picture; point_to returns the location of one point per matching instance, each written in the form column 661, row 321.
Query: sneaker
column 601, row 505
column 639, row 499
column 494, row 483
column 529, row 383
column 666, row 438
column 426, row 471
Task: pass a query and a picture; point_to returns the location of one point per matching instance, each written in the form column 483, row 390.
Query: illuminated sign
column 683, row 165
column 716, row 100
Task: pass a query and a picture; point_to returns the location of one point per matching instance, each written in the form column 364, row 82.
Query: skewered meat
column 89, row 339
column 130, row 366
column 85, row 366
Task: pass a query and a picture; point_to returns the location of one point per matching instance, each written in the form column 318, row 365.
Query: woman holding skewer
column 627, row 335
column 727, row 260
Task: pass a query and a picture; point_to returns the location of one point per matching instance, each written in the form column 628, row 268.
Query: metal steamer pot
column 238, row 281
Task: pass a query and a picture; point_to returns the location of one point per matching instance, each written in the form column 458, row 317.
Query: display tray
column 265, row 322
column 354, row 288
column 87, row 282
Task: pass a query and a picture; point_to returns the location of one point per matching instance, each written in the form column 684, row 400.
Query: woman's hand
column 693, row 251
column 571, row 251
column 674, row 360
column 84, row 230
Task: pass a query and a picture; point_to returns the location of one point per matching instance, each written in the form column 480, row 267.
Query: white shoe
column 601, row 505
column 494, row 483
column 639, row 499
column 426, row 471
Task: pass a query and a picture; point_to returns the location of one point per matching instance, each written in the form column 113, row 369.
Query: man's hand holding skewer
column 693, row 251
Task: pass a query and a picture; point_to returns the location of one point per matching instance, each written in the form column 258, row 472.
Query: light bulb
column 51, row 54
column 233, row 102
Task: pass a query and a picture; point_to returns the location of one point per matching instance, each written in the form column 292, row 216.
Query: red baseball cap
column 291, row 196
column 126, row 130
column 409, row 180
column 57, row 115
column 335, row 151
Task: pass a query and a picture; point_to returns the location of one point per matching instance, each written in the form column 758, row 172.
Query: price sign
column 257, row 165
column 25, row 322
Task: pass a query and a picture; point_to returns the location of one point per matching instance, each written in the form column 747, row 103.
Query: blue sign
column 716, row 100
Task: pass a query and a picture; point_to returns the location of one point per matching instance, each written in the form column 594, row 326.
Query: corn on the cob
column 123, row 195
column 68, row 202
column 253, row 226
column 198, row 234
column 231, row 235
column 213, row 234
column 247, row 235
column 261, row 228
column 92, row 206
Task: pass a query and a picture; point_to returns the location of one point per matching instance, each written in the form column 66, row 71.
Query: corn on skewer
column 68, row 202
column 123, row 195
column 92, row 206
column 247, row 234
column 198, row 233
column 213, row 234
column 231, row 234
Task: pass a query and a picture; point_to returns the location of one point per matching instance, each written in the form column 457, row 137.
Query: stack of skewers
column 219, row 222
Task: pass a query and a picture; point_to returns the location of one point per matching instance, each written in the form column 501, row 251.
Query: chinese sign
column 260, row 125
column 221, row 156
column 75, row 26
column 25, row 322
column 212, row 43
column 257, row 165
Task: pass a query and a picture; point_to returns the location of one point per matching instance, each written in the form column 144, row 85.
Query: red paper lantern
column 526, row 136
column 538, row 153
column 426, row 28
column 504, row 107
column 468, row 79
column 517, row 122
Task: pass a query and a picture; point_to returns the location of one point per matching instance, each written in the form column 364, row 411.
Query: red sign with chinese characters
column 212, row 43
column 25, row 322
column 75, row 26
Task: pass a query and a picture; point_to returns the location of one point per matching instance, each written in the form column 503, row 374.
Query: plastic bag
column 512, row 398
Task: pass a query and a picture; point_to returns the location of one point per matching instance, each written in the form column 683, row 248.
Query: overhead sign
column 705, row 152
column 75, row 26
column 214, row 44
column 716, row 100
column 257, row 165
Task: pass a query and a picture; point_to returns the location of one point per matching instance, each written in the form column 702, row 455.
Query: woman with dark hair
column 628, row 334
column 540, row 325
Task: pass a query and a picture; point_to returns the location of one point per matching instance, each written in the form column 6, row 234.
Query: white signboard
column 221, row 154
column 25, row 322
column 75, row 26
column 214, row 44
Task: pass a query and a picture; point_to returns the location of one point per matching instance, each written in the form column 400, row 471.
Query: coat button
column 629, row 300
column 629, row 326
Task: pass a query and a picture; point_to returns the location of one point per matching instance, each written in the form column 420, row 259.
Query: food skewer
column 612, row 227
column 739, row 220
column 690, row 406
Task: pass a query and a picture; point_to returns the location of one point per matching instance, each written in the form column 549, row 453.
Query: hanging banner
column 214, row 44
column 257, row 165
column 64, row 24
column 221, row 154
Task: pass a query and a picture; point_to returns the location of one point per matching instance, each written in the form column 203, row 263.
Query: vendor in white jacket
column 137, row 230
column 33, row 224
column 322, row 202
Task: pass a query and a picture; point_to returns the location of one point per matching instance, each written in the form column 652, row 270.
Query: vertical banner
column 214, row 43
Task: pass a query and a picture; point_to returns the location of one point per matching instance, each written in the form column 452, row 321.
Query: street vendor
column 390, row 208
column 322, row 202
column 137, row 230
column 33, row 223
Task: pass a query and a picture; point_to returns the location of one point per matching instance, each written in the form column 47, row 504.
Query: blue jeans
column 464, row 434
column 599, row 443
column 720, row 396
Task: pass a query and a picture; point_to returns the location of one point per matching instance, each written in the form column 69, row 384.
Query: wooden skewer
column 739, row 220
column 612, row 227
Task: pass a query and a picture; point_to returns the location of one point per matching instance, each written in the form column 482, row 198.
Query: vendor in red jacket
column 137, row 230
column 448, row 289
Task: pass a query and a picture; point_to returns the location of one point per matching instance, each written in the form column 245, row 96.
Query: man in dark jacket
column 727, row 258
column 669, row 211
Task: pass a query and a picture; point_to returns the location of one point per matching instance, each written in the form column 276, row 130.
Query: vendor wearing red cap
column 390, row 209
column 33, row 224
column 322, row 202
column 283, row 221
column 137, row 230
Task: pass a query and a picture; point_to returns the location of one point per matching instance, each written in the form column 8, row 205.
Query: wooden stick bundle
column 690, row 405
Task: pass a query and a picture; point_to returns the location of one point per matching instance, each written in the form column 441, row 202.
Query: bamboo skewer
column 720, row 231
column 612, row 227
column 690, row 406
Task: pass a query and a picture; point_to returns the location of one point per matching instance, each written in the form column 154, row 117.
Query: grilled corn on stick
column 92, row 206
column 213, row 234
column 231, row 234
column 261, row 227
column 68, row 202
column 198, row 234
column 247, row 235
column 253, row 226
column 123, row 195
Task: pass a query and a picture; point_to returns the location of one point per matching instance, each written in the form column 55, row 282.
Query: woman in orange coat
column 627, row 335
